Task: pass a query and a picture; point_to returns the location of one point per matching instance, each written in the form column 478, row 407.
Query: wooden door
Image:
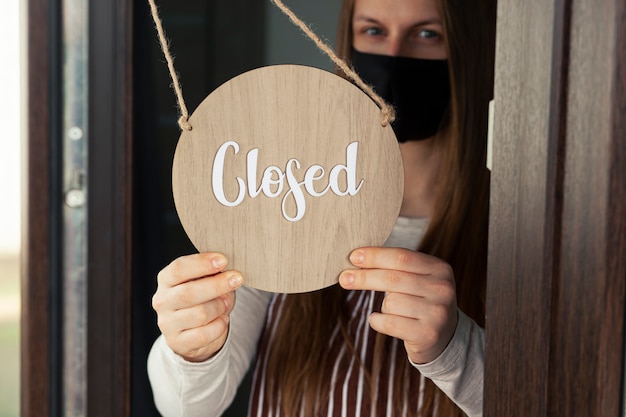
column 557, row 260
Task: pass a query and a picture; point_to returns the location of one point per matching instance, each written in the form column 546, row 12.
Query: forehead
column 397, row 11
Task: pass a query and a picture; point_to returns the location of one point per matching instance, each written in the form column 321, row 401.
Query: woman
column 422, row 350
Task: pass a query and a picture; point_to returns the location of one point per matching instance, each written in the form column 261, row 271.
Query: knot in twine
column 388, row 114
column 183, row 122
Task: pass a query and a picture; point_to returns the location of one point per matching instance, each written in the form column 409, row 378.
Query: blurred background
column 10, row 105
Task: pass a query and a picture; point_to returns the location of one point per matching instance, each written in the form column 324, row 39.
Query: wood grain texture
column 36, row 251
column 556, row 284
column 521, row 236
column 287, row 112
column 587, row 343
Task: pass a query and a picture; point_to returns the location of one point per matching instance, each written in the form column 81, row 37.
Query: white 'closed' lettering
column 273, row 179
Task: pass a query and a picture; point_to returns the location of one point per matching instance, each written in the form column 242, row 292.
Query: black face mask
column 418, row 89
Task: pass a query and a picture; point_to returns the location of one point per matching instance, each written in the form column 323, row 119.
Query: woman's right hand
column 193, row 302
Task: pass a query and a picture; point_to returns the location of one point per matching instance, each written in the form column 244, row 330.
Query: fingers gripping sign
column 420, row 302
column 193, row 301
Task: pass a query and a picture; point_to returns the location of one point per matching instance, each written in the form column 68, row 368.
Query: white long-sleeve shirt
column 206, row 389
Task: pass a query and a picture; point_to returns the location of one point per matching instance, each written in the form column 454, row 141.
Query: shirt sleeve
column 459, row 370
column 206, row 389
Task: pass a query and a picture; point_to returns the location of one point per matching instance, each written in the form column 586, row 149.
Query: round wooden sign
column 287, row 169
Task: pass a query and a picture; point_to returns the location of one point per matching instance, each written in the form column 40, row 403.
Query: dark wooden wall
column 557, row 267
column 36, row 222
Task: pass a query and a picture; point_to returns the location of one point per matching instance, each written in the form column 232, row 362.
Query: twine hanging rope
column 183, row 120
column 387, row 112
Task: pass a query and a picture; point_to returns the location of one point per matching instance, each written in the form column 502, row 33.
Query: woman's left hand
column 420, row 301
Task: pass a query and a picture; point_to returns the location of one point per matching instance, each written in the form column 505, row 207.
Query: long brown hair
column 297, row 364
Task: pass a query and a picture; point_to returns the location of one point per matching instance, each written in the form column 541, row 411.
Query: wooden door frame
column 36, row 258
column 109, row 204
column 557, row 266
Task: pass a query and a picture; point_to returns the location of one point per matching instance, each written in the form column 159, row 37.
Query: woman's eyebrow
column 368, row 19
column 365, row 19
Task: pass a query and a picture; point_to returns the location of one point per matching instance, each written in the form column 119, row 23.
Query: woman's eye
column 427, row 34
column 373, row 31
